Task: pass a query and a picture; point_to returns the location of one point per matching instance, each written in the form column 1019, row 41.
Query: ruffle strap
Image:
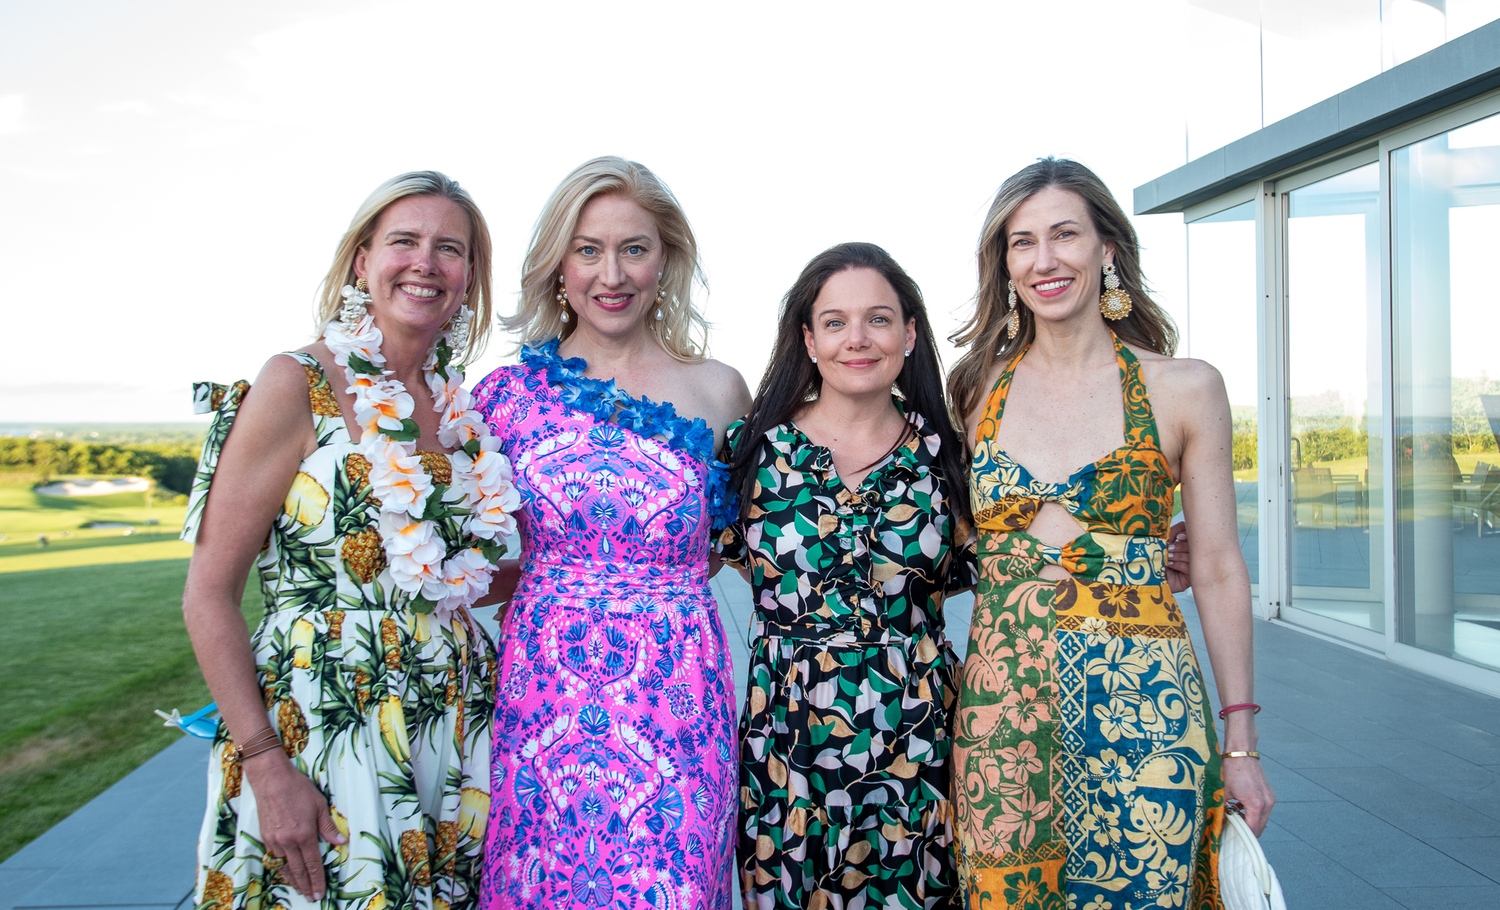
column 223, row 401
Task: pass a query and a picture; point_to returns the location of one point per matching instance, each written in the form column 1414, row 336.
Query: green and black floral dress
column 844, row 744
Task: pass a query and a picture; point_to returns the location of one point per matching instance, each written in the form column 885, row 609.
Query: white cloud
column 12, row 110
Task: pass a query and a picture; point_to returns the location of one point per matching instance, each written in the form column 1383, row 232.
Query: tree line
column 170, row 465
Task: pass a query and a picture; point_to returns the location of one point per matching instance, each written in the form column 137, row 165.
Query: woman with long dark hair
column 853, row 527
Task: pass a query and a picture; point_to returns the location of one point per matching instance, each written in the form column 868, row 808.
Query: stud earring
column 908, row 352
column 1013, row 321
column 815, row 358
column 562, row 297
column 1115, row 303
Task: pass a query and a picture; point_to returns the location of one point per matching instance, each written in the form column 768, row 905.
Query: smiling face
column 857, row 333
column 612, row 265
column 1055, row 255
column 416, row 263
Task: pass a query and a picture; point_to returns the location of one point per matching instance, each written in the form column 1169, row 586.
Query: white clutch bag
column 1246, row 880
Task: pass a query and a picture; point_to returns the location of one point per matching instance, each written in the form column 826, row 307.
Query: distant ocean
column 118, row 433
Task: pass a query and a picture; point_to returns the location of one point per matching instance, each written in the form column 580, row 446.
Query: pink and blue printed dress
column 615, row 783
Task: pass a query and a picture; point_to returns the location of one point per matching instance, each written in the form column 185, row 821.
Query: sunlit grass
column 94, row 639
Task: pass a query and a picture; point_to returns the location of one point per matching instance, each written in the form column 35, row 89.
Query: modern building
column 1344, row 275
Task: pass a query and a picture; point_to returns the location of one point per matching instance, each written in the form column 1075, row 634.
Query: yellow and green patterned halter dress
column 1086, row 768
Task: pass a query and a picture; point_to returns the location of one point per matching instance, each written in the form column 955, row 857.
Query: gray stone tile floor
column 1388, row 788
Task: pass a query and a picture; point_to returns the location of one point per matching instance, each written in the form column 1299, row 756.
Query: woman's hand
column 1245, row 781
column 294, row 817
column 1179, row 559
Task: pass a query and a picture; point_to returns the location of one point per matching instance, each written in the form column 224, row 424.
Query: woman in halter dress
column 1087, row 769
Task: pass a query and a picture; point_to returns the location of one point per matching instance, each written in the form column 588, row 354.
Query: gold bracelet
column 1242, row 754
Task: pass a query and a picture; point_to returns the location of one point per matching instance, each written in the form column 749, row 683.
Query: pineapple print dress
column 385, row 710
column 844, row 765
column 1087, row 773
column 614, row 779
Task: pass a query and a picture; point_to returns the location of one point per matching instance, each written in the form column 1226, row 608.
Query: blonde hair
column 1148, row 325
column 682, row 331
column 362, row 230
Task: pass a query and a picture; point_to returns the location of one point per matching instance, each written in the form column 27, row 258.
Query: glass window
column 1221, row 327
column 1333, row 385
column 1445, row 221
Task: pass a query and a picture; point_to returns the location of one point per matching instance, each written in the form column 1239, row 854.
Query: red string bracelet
column 1230, row 709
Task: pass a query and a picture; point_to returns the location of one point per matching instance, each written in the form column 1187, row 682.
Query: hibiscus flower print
column 1019, row 815
column 1019, row 763
column 1117, row 720
column 1024, row 709
column 1123, row 600
column 1113, row 773
column 1036, row 650
column 1121, row 667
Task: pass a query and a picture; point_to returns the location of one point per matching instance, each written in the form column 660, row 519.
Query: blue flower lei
column 609, row 404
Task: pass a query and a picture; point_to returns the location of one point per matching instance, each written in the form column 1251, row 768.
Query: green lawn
column 94, row 641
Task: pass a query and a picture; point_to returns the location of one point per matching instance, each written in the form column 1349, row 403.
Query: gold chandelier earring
column 1114, row 303
column 562, row 297
column 661, row 298
column 1013, row 321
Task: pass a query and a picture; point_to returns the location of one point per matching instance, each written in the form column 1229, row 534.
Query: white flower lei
column 481, row 500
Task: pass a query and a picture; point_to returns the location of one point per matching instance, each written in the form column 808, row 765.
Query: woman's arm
column 261, row 455
column 1221, row 584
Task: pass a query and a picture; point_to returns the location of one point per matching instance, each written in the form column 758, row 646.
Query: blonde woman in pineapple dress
column 351, row 764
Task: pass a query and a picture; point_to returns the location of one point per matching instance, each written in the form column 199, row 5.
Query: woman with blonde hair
column 351, row 764
column 615, row 779
column 1086, row 764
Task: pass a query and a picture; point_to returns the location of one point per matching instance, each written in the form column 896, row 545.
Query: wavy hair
column 791, row 379
column 362, row 230
column 1148, row 325
column 682, row 331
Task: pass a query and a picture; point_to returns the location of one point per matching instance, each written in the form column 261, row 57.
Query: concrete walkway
column 1388, row 785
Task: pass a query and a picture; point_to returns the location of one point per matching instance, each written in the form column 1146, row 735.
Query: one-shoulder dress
column 1087, row 773
column 615, row 781
column 386, row 710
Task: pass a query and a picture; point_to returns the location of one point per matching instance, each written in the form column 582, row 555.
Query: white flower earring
column 356, row 303
column 458, row 328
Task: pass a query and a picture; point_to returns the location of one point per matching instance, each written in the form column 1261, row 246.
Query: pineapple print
column 438, row 465
column 458, row 731
column 306, row 502
column 421, row 627
column 377, row 901
column 335, row 620
column 229, row 766
column 390, row 640
column 473, row 812
column 364, row 554
column 321, row 394
column 414, row 855
column 301, row 641
column 361, row 690
column 218, row 893
column 447, row 847
column 357, row 469
column 340, row 851
column 393, row 729
column 292, row 724
column 273, row 864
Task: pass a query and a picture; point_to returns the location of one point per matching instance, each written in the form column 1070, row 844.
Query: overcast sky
column 174, row 175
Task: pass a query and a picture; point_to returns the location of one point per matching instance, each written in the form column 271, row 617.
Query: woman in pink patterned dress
column 615, row 781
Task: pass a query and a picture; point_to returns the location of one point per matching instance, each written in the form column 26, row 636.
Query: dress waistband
column 635, row 584
column 818, row 633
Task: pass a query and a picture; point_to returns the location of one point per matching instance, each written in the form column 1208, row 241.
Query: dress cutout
column 614, row 776
column 844, row 741
column 387, row 711
column 1087, row 772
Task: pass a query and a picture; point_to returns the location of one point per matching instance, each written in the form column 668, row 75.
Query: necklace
column 479, row 500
